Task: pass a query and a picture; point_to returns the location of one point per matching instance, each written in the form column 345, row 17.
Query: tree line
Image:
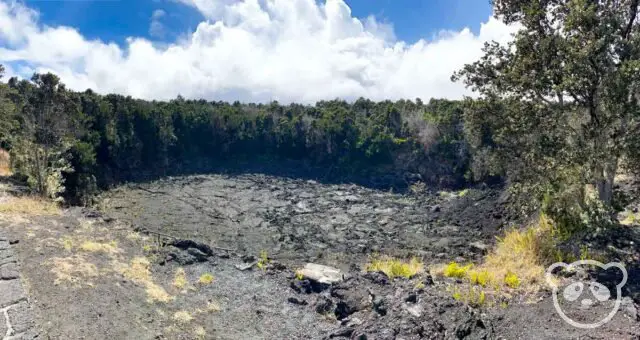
column 68, row 145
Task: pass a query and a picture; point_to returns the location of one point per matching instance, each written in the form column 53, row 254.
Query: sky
column 250, row 50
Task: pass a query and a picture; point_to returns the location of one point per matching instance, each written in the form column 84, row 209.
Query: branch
column 633, row 12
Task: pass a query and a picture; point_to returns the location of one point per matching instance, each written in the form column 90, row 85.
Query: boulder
column 321, row 274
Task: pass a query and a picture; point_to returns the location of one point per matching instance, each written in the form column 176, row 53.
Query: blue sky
column 250, row 50
column 115, row 20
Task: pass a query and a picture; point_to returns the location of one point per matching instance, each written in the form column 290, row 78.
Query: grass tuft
column 396, row 268
column 180, row 279
column 139, row 271
column 182, row 317
column 97, row 247
column 457, row 271
column 480, row 277
column 27, row 205
column 206, row 279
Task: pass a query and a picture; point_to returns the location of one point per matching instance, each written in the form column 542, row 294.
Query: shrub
column 396, row 268
column 512, row 280
column 455, row 270
column 481, row 277
column 206, row 279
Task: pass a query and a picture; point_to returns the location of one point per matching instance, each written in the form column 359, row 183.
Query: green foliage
column 512, row 280
column 109, row 139
column 560, row 98
column 455, row 270
column 482, row 277
column 395, row 268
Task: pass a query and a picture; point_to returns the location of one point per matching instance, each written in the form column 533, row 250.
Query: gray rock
column 415, row 310
column 351, row 301
column 321, row 274
column 9, row 271
column 479, row 247
column 20, row 317
column 629, row 308
column 11, row 292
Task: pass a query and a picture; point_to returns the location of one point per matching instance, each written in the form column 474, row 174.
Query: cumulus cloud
column 156, row 28
column 253, row 50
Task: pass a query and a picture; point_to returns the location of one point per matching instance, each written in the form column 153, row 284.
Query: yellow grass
column 139, row 271
column 74, row 270
column 518, row 260
column 206, row 279
column 27, row 205
column 180, row 279
column 200, row 333
column 97, row 247
column 395, row 268
column 182, row 317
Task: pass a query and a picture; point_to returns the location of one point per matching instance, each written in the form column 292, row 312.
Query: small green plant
column 395, row 268
column 473, row 297
column 584, row 253
column 482, row 277
column 455, row 270
column 299, row 275
column 263, row 261
column 206, row 279
column 463, row 193
column 420, row 285
column 512, row 280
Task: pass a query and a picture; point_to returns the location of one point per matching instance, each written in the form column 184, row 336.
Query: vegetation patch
column 74, row 270
column 28, row 205
column 206, row 279
column 97, row 247
column 139, row 271
column 180, row 279
column 455, row 270
column 396, row 268
column 471, row 296
column 182, row 317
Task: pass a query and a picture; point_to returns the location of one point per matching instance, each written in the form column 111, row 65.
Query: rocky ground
column 218, row 257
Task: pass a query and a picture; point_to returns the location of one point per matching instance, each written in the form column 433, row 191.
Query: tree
column 7, row 113
column 49, row 121
column 564, row 91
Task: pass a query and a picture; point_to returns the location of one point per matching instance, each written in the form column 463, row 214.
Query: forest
column 67, row 145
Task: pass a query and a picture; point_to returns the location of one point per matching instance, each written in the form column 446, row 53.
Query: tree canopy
column 561, row 99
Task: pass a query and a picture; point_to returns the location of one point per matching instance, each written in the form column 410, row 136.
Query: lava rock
column 324, row 305
column 296, row 301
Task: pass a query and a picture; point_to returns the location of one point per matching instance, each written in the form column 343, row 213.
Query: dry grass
column 5, row 164
column 520, row 257
column 395, row 268
column 180, row 279
column 206, row 279
column 518, row 261
column 139, row 271
column 74, row 270
column 97, row 247
column 182, row 317
column 200, row 333
column 27, row 205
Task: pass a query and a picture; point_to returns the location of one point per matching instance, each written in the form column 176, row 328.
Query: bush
column 396, row 268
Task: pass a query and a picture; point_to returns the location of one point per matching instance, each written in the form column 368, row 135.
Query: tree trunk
column 605, row 180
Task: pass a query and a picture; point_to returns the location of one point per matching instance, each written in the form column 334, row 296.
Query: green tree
column 49, row 123
column 564, row 91
column 7, row 113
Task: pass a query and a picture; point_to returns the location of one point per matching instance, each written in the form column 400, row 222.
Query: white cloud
column 253, row 50
column 156, row 28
